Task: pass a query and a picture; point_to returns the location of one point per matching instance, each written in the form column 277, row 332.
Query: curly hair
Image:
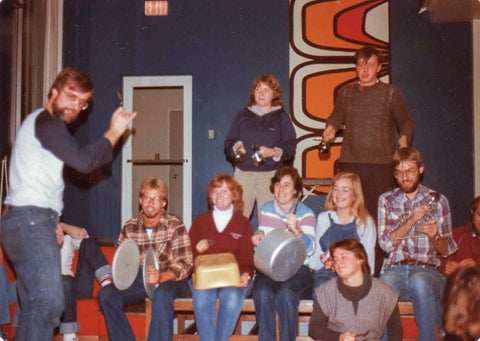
column 461, row 313
column 272, row 83
column 234, row 187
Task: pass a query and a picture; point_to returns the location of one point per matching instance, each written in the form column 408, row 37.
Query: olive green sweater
column 371, row 116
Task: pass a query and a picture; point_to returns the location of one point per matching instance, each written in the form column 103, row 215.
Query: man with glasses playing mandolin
column 415, row 229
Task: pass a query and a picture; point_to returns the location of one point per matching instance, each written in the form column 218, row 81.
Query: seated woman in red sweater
column 222, row 229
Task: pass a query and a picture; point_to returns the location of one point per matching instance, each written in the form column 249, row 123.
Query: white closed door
column 159, row 143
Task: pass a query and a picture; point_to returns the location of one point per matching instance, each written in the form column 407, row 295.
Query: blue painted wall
column 432, row 64
column 224, row 45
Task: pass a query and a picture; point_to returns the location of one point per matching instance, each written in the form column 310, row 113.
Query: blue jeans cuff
column 103, row 271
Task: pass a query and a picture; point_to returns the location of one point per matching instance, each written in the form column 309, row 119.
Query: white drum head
column 125, row 264
column 149, row 261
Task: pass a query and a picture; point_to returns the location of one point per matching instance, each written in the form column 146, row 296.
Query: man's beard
column 411, row 188
column 60, row 113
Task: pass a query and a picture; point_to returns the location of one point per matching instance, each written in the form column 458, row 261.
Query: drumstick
column 294, row 211
column 119, row 95
column 299, row 194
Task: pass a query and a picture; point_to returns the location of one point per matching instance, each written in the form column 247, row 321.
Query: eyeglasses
column 83, row 104
column 156, row 199
column 343, row 190
column 407, row 172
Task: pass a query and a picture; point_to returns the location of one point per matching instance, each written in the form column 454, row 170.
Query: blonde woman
column 345, row 216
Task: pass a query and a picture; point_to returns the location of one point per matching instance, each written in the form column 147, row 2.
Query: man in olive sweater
column 372, row 112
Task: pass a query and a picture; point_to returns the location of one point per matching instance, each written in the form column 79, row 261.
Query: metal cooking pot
column 280, row 255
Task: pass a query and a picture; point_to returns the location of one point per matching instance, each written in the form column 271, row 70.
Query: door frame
column 129, row 85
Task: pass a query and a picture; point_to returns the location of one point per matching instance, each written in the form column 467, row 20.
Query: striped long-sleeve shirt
column 272, row 217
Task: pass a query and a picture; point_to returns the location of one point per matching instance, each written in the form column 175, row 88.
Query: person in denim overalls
column 345, row 217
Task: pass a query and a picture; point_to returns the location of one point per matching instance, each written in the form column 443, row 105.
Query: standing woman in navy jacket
column 263, row 127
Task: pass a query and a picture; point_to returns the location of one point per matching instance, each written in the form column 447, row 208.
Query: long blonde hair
column 359, row 210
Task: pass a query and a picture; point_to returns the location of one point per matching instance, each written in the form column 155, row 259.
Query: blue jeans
column 423, row 285
column 221, row 327
column 112, row 301
column 69, row 324
column 29, row 239
column 281, row 297
column 163, row 314
column 8, row 295
column 91, row 263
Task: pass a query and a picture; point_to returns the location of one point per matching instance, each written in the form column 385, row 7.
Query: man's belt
column 413, row 262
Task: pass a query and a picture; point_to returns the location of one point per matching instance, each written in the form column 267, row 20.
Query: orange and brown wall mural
column 323, row 37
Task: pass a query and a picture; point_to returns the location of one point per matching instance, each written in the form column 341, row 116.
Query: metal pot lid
column 126, row 262
column 149, row 261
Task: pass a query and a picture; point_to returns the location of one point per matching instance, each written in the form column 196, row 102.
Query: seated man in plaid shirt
column 415, row 229
column 169, row 238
